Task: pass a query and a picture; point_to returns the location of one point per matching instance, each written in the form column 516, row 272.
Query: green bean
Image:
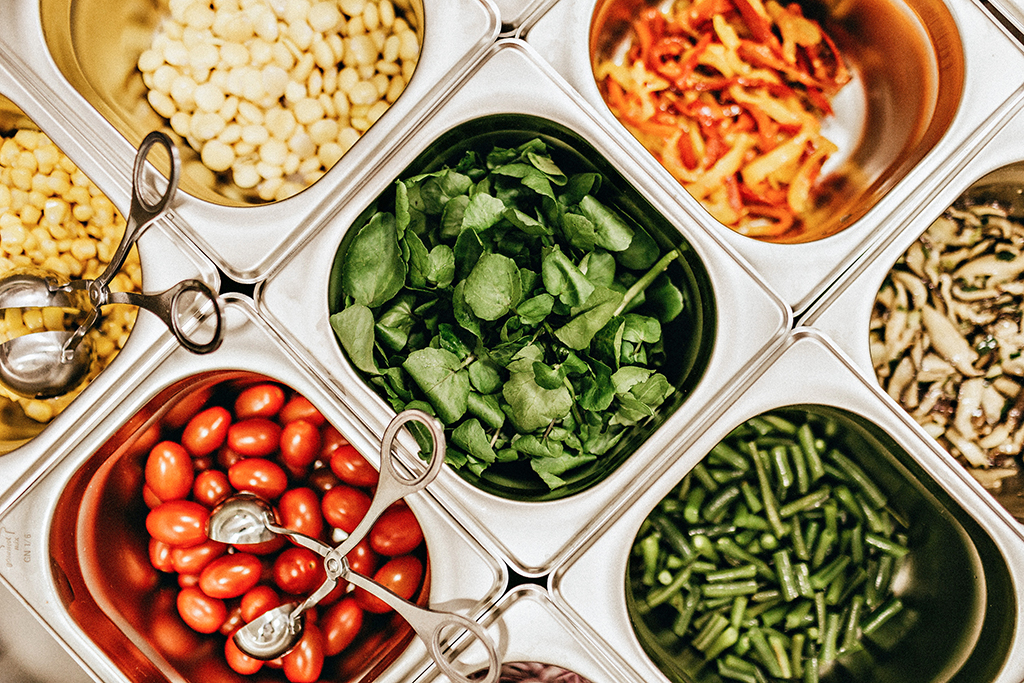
column 761, row 425
column 671, row 534
column 859, row 478
column 729, row 456
column 849, row 501
column 729, row 548
column 803, row 579
column 694, row 501
column 803, row 479
column 781, row 655
column 881, row 615
column 729, row 589
column 764, row 652
column 718, row 506
column 886, row 545
column 687, row 609
column 745, row 571
column 704, row 547
column 781, row 466
column 786, row 577
column 702, row 474
column 754, row 503
column 820, row 613
column 799, row 546
column 828, row 647
column 815, row 467
column 857, row 544
column 811, row 670
column 797, row 616
column 767, row 497
column 850, row 630
column 710, row 631
column 726, row 671
column 649, row 551
column 725, row 640
column 805, row 503
column 780, row 423
column 660, row 595
column 824, row 576
column 738, row 611
column 796, row 654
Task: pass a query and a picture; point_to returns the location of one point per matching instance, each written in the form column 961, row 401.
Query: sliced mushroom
column 948, row 341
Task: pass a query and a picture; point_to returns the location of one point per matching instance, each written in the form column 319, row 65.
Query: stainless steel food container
column 526, row 626
column 73, row 64
column 914, row 164
column 749, row 318
column 968, row 637
column 844, row 311
column 59, row 572
column 167, row 257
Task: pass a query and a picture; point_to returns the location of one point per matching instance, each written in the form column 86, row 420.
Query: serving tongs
column 52, row 363
column 245, row 519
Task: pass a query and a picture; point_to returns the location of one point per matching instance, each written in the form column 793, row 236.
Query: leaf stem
column 645, row 280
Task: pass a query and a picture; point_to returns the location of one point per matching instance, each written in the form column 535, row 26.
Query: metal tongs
column 52, row 363
column 246, row 519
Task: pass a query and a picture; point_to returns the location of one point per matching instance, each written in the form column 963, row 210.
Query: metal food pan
column 844, row 312
column 78, row 60
column 166, row 259
column 75, row 518
column 967, row 541
column 527, row 627
column 516, row 14
column 963, row 89
column 512, row 83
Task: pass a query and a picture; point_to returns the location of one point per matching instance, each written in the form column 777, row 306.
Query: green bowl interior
column 688, row 339
column 959, row 602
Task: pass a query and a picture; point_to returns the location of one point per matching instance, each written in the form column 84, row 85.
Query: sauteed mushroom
column 946, row 338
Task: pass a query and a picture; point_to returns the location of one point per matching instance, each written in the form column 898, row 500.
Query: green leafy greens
column 506, row 298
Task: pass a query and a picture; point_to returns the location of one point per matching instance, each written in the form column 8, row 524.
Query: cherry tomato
column 233, row 621
column 340, row 625
column 352, row 468
column 211, row 488
column 343, row 506
column 262, row 477
column 230, row 576
column 305, row 662
column 259, row 400
column 149, row 498
column 264, row 548
column 169, row 472
column 258, row 600
column 362, row 559
column 299, row 510
column 160, row 555
column 240, row 662
column 188, row 580
column 256, row 437
column 193, row 560
column 299, row 408
column 180, row 523
column 396, row 532
column 331, row 439
column 322, row 479
column 401, row 575
column 187, row 407
column 300, row 444
column 205, row 432
column 200, row 611
column 298, row 570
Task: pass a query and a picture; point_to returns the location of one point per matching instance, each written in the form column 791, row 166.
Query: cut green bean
column 785, row 575
column 694, row 502
column 705, row 547
column 729, row 589
column 754, row 503
column 799, row 546
column 803, row 579
column 815, row 467
column 738, row 611
column 881, row 615
column 803, row 479
column 764, row 652
column 671, row 534
column 725, row 640
column 859, row 478
column 705, row 478
column 886, row 545
column 828, row 646
column 710, row 631
column 824, row 576
column 745, row 571
column 781, row 466
column 804, row 503
column 660, row 595
column 729, row 456
column 718, row 506
column 796, row 654
column 687, row 607
column 851, row 630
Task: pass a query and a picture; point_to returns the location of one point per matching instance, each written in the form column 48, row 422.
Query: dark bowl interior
column 688, row 339
column 99, row 547
column 959, row 602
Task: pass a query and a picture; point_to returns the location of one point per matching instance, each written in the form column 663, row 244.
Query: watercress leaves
column 506, row 298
